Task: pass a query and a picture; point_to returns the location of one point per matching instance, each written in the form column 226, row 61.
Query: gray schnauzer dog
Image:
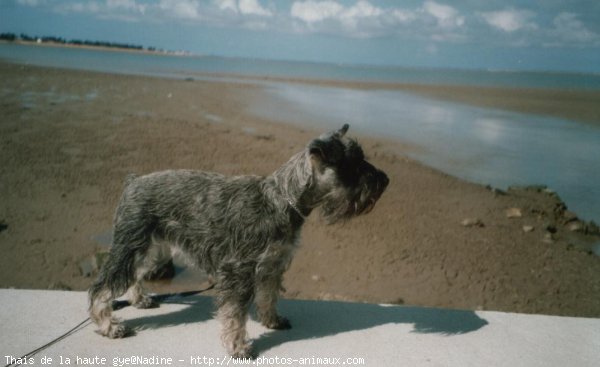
column 242, row 230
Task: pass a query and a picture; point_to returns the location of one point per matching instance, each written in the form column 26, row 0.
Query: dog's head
column 347, row 185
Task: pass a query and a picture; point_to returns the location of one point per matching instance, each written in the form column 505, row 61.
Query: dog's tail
column 130, row 241
column 118, row 273
column 115, row 278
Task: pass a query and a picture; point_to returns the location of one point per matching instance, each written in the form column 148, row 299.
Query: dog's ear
column 335, row 133
column 328, row 148
column 316, row 149
column 326, row 151
column 341, row 132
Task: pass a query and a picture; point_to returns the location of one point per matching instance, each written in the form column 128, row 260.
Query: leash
column 116, row 305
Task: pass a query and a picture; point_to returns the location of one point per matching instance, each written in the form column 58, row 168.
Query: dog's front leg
column 235, row 290
column 268, row 285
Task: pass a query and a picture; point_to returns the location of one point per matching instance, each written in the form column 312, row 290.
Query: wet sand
column 571, row 104
column 69, row 138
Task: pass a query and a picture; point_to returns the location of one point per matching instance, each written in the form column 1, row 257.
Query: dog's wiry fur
column 242, row 230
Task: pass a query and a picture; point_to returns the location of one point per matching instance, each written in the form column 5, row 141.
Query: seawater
column 191, row 66
column 482, row 145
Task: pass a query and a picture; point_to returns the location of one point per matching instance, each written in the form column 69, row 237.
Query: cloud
column 227, row 5
column 362, row 9
column 362, row 19
column 79, row 7
column 403, row 16
column 447, row 17
column 509, row 20
column 315, row 11
column 184, row 9
column 221, row 13
column 124, row 10
column 431, row 22
column 568, row 28
column 565, row 29
column 31, row 3
column 253, row 7
column 441, row 23
column 245, row 7
column 125, row 4
column 318, row 11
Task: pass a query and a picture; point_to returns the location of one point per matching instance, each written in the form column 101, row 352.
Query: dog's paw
column 245, row 353
column 119, row 331
column 281, row 323
column 146, row 302
column 116, row 331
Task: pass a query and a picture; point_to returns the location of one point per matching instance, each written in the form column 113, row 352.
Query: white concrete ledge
column 378, row 335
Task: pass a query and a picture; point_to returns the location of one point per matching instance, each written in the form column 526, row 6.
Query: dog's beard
column 343, row 204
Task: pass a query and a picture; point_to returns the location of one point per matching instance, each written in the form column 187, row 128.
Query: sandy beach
column 69, row 138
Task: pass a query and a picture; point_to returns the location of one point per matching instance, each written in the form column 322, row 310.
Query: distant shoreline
column 98, row 48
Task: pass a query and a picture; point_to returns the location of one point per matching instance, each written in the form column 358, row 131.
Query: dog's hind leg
column 156, row 256
column 117, row 276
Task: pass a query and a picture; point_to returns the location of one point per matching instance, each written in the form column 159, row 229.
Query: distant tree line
column 11, row 37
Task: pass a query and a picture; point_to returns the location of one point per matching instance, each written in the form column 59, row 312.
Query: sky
column 545, row 35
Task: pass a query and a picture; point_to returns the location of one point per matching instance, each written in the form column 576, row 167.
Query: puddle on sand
column 186, row 277
column 596, row 248
column 91, row 95
column 213, row 118
column 31, row 99
column 103, row 239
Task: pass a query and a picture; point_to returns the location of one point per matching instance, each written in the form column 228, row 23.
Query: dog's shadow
column 199, row 308
column 315, row 319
